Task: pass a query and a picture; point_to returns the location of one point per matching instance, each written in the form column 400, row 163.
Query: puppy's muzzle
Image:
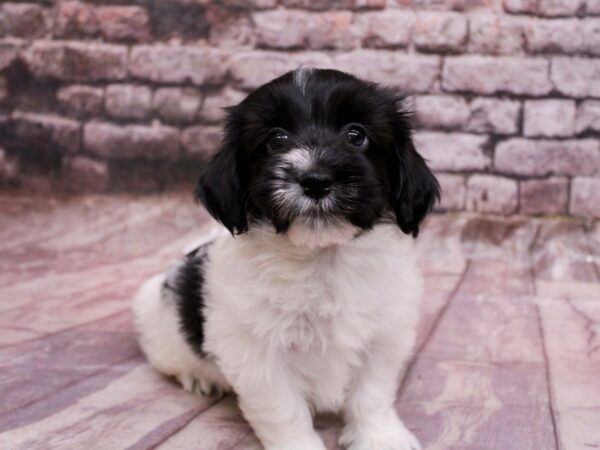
column 316, row 184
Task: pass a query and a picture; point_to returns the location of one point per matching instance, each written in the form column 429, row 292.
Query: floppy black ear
column 223, row 184
column 415, row 189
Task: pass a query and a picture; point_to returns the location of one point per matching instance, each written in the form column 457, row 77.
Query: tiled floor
column 508, row 355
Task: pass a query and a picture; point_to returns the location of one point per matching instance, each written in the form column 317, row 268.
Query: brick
column 319, row 5
column 584, row 197
column 521, row 6
column 390, row 28
column 576, row 77
column 132, row 141
column 9, row 168
column 554, row 36
column 488, row 75
column 177, row 104
column 490, row 115
column 492, row 194
column 442, row 111
column 81, row 99
column 415, row 73
column 544, row 197
column 26, row 20
column 178, row 64
column 440, row 32
column 181, row 20
column 77, row 61
column 213, row 108
column 495, row 34
column 549, row 118
column 453, row 152
column 9, row 51
column 295, row 29
column 592, row 7
column 44, row 132
column 542, row 158
column 3, row 90
column 453, row 192
column 128, row 101
column 252, row 68
column 82, row 174
column 232, row 32
column 550, row 8
column 259, row 4
column 113, row 23
column 443, row 5
column 201, row 140
column 591, row 36
column 588, row 116
column 559, row 7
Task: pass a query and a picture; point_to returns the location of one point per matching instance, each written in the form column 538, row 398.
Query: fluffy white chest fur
column 294, row 329
column 314, row 313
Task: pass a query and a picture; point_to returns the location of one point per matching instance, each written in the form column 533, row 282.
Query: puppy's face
column 321, row 156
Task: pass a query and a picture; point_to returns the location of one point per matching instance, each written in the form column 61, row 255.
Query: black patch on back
column 185, row 283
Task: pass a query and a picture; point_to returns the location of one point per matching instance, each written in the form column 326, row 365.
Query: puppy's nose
column 316, row 184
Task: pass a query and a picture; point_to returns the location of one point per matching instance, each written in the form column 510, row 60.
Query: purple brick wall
column 127, row 95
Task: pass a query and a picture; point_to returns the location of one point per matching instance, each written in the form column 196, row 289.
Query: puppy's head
column 321, row 156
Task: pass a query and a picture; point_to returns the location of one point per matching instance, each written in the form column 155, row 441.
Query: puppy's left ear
column 414, row 187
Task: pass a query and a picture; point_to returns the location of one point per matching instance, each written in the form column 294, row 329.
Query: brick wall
column 116, row 94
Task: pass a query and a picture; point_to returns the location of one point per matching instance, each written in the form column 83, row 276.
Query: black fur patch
column 185, row 283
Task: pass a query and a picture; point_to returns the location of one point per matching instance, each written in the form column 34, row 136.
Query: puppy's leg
column 371, row 419
column 270, row 399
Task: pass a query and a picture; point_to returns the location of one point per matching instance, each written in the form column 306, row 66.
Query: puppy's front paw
column 386, row 435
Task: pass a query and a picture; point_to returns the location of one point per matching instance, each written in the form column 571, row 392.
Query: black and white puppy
column 311, row 302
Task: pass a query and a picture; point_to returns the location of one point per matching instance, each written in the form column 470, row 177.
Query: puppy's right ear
column 223, row 184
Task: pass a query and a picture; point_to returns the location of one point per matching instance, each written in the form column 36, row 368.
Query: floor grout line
column 437, row 320
column 551, row 410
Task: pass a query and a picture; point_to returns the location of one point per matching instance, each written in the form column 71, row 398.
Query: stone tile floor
column 508, row 355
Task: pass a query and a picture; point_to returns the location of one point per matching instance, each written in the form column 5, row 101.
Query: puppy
column 310, row 302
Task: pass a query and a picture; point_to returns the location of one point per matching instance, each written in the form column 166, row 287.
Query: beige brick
column 252, row 68
column 414, row 73
column 554, row 36
column 549, row 118
column 389, row 28
column 440, row 32
column 177, row 104
column 576, row 77
column 442, row 111
column 544, row 197
column 453, row 192
column 128, row 101
column 492, row 194
column 114, row 23
column 77, row 61
column 489, row 75
column 81, row 99
column 491, row 115
column 588, row 116
column 584, row 197
column 178, row 64
column 495, row 34
column 132, row 141
column 202, row 140
column 453, row 152
column 542, row 158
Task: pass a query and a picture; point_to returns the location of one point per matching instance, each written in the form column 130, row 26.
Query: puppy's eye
column 356, row 137
column 277, row 139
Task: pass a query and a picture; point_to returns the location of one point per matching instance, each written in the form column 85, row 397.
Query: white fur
column 301, row 328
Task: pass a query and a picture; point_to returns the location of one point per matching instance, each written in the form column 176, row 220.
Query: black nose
column 316, row 184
